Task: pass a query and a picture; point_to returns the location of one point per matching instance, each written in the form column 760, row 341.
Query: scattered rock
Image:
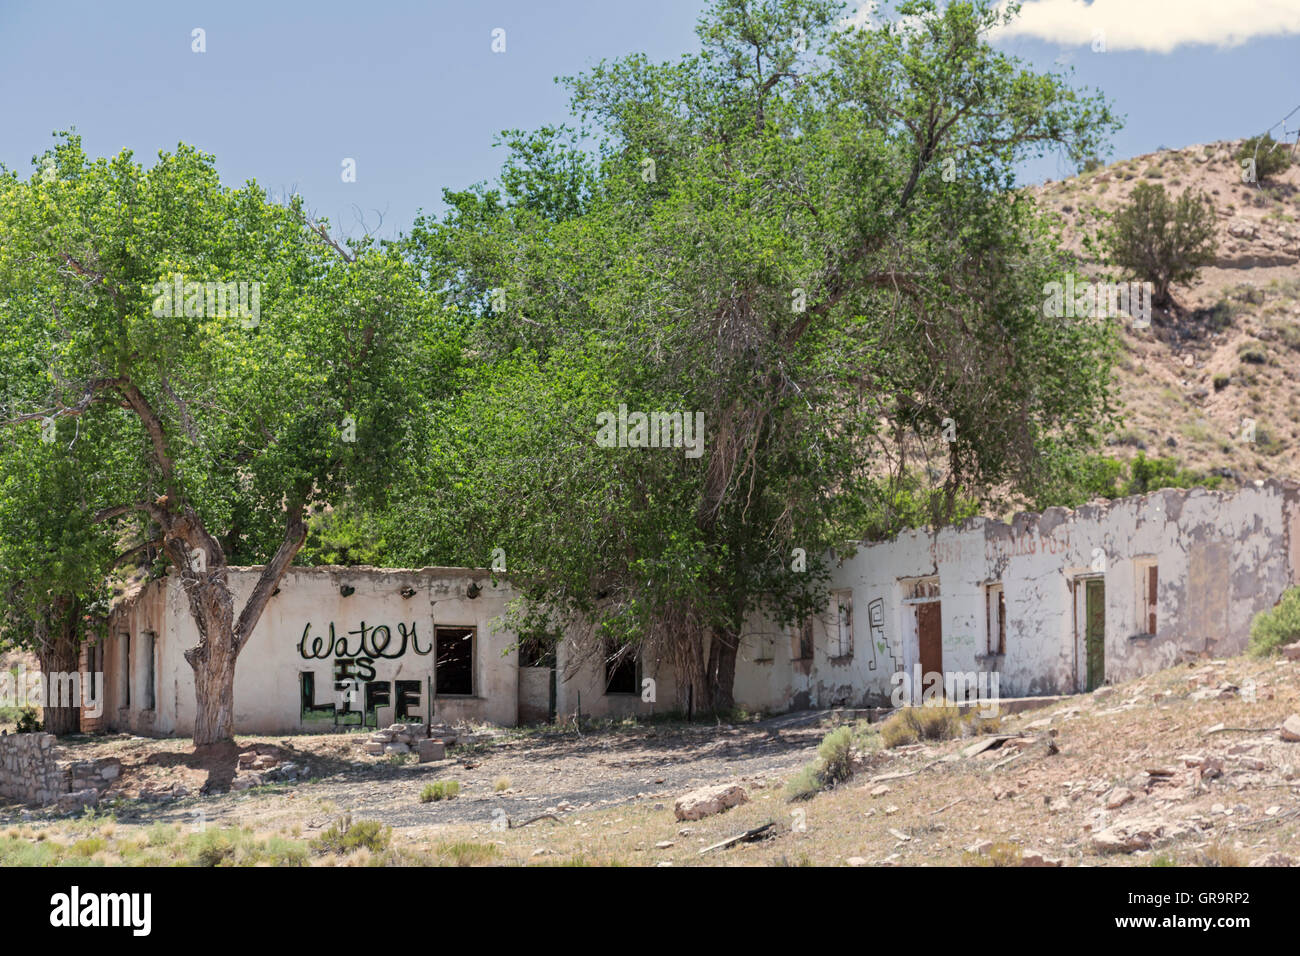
column 1118, row 797
column 1292, row 651
column 1036, row 858
column 857, row 861
column 707, row 801
column 72, row 802
column 1290, row 729
column 881, row 790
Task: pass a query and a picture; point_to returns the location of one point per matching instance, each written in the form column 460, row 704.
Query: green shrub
column 28, row 722
column 1270, row 156
column 464, row 853
column 344, row 837
column 834, row 765
column 1277, row 626
column 441, row 790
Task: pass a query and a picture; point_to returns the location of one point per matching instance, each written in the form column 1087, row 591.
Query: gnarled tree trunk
column 59, row 651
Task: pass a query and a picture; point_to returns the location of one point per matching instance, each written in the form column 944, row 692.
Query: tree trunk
column 722, row 669
column 60, row 655
column 206, row 581
column 214, row 692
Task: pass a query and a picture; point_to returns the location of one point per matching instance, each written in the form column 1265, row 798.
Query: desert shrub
column 501, row 783
column 1277, row 626
column 1270, row 156
column 465, row 853
column 1220, row 854
column 999, row 854
column 834, row 764
column 28, row 722
column 212, row 848
column 344, row 837
column 1161, row 240
column 836, row 755
column 89, row 846
column 1253, row 352
column 440, row 790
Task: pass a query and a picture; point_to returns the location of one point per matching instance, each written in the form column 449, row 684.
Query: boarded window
column 150, row 669
column 841, row 641
column 995, row 606
column 765, row 646
column 455, row 661
column 801, row 641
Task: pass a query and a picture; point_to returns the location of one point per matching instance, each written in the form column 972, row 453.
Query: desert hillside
column 1232, row 350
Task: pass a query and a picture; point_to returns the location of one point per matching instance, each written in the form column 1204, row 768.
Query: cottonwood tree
column 53, row 555
column 812, row 237
column 236, row 412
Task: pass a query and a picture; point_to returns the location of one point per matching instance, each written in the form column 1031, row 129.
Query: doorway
column 929, row 637
column 1094, row 632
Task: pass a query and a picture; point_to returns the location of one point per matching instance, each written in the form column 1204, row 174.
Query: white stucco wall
column 1222, row 557
column 267, row 674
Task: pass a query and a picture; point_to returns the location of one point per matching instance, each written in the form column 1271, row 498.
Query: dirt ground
column 1184, row 767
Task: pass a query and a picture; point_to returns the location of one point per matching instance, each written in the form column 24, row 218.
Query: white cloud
column 861, row 17
column 1155, row 26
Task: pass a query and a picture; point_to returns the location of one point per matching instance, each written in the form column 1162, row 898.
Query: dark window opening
column 150, row 668
column 620, row 671
column 125, row 638
column 537, row 651
column 455, row 661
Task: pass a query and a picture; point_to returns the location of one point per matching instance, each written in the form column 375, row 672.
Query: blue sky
column 413, row 92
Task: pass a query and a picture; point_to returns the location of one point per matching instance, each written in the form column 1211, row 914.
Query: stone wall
column 34, row 769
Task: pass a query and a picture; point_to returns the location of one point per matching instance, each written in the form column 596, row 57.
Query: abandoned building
column 1051, row 604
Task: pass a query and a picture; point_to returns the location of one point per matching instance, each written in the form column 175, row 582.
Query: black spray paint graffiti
column 368, row 644
column 354, row 668
column 876, row 621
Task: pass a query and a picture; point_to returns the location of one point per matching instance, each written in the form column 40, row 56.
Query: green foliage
column 28, row 721
column 440, row 790
column 1161, row 240
column 343, row 536
column 766, row 237
column 1152, row 474
column 1278, row 626
column 345, row 837
column 1270, row 157
column 834, row 765
column 181, row 418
